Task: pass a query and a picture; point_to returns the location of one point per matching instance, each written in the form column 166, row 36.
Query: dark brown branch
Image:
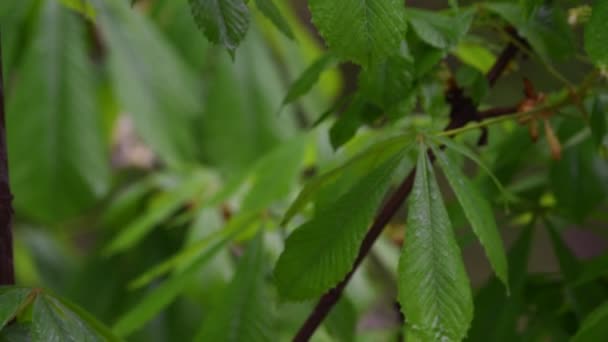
column 7, row 274
column 462, row 112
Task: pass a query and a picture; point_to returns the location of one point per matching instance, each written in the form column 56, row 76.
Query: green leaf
column 387, row 84
column 341, row 323
column 475, row 55
column 12, row 299
column 54, row 321
column 359, row 164
column 245, row 312
column 81, row 6
column 66, row 170
column 440, row 30
column 593, row 269
column 224, row 22
column 266, row 185
column 546, row 29
column 272, row 12
column 598, row 122
column 163, row 208
column 501, row 326
column 479, row 213
column 164, row 294
column 321, row 252
column 151, row 82
column 596, row 33
column 583, row 298
column 364, row 31
column 434, row 290
column 595, row 327
column 308, row 78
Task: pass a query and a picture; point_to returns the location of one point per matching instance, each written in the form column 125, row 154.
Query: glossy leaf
column 272, row 12
column 224, row 22
column 245, row 312
column 596, row 33
column 479, row 213
column 150, row 81
column 434, row 289
column 364, row 31
column 66, row 169
column 321, row 252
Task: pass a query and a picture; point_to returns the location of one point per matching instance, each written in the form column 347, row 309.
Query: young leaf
column 308, row 78
column 596, row 33
column 271, row 11
column 479, row 213
column 434, row 290
column 364, row 31
column 11, row 301
column 244, row 313
column 595, row 327
column 224, row 22
column 321, row 252
column 66, row 169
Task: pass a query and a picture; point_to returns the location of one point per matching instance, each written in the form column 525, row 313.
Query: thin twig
column 7, row 274
column 459, row 107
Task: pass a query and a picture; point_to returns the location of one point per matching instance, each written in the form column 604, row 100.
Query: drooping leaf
column 321, row 252
column 150, row 81
column 479, row 213
column 490, row 325
column 364, row 31
column 341, row 323
column 272, row 12
column 308, row 78
column 434, row 289
column 245, row 312
column 595, row 327
column 11, row 300
column 166, row 205
column 596, row 33
column 368, row 159
column 224, row 22
column 67, row 168
column 440, row 30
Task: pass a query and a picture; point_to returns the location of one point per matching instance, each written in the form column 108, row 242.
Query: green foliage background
column 194, row 170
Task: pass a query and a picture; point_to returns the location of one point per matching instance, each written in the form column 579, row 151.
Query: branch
column 7, row 274
column 462, row 112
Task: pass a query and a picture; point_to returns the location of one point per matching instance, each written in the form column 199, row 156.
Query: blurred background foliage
column 151, row 169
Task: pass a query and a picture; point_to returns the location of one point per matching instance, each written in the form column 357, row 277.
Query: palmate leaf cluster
column 247, row 180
